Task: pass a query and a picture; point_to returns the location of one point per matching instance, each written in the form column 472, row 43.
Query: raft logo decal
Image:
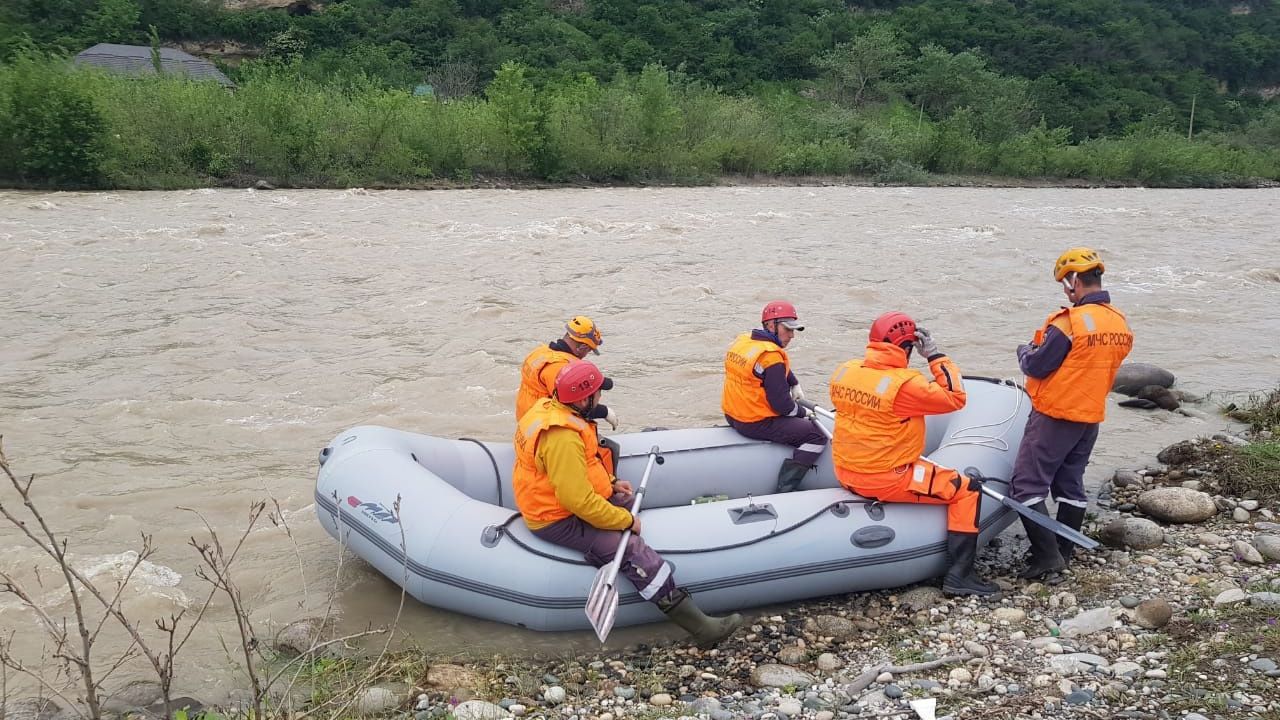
column 372, row 510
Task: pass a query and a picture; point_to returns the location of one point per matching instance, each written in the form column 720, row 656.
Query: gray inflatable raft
column 458, row 543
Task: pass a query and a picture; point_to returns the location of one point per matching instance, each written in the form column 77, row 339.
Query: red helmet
column 893, row 327
column 781, row 310
column 578, row 380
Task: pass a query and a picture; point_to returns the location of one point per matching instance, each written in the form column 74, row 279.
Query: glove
column 803, row 412
column 611, row 417
column 925, row 344
column 796, row 393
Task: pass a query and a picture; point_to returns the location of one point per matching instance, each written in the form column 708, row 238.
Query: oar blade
column 602, row 603
column 1044, row 521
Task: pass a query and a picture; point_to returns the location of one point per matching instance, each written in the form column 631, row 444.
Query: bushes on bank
column 61, row 127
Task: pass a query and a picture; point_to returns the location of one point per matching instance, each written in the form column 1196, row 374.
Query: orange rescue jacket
column 743, row 397
column 535, row 494
column 538, row 376
column 1077, row 390
column 881, row 405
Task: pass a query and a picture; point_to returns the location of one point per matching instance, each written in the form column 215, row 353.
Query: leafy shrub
column 56, row 133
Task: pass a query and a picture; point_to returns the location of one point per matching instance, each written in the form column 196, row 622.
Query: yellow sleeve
column 564, row 457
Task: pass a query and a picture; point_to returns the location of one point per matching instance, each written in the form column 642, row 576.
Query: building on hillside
column 136, row 60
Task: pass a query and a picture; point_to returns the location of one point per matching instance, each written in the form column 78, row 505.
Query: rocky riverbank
column 1176, row 614
column 1174, row 617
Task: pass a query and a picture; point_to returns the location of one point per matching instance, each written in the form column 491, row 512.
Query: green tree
column 57, row 133
column 659, row 118
column 862, row 67
column 515, row 107
column 113, row 21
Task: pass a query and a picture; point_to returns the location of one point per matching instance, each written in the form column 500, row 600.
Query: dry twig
column 868, row 677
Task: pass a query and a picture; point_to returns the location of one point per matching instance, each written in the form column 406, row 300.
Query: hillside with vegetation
column 415, row 92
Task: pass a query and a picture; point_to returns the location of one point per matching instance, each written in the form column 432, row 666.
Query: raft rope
column 687, row 551
column 497, row 475
column 967, row 436
column 961, row 437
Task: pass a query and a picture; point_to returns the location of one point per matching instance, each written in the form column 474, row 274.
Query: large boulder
column 1177, row 505
column 1153, row 397
column 136, row 694
column 1268, row 546
column 30, row 708
column 479, row 710
column 833, row 626
column 1132, row 377
column 773, row 675
column 1136, row 533
column 301, row 636
column 1154, row 613
column 447, row 676
column 1183, row 452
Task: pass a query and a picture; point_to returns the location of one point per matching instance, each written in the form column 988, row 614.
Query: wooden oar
column 602, row 600
column 1040, row 519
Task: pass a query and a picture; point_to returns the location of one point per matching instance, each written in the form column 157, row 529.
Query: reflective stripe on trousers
column 647, row 571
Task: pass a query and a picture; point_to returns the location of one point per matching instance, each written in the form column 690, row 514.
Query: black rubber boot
column 1045, row 559
column 960, row 580
column 1072, row 517
column 705, row 629
column 791, row 474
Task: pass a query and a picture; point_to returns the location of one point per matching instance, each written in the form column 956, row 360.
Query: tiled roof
column 136, row 60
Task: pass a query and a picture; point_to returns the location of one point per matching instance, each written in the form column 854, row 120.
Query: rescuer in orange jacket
column 880, row 436
column 568, row 497
column 541, row 366
column 1070, row 366
column 760, row 393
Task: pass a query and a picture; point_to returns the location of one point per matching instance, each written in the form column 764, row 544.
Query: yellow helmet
column 582, row 329
column 1077, row 260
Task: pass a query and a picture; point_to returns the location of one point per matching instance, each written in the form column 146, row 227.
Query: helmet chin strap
column 588, row 405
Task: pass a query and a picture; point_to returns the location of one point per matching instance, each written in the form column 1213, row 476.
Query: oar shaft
column 1045, row 521
column 635, row 508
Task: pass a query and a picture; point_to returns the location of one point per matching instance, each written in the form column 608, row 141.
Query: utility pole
column 1192, row 122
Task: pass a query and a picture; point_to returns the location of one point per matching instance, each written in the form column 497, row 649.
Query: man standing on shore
column 760, row 393
column 1070, row 366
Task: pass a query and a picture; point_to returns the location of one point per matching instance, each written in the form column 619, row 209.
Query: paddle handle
column 635, row 508
column 817, row 409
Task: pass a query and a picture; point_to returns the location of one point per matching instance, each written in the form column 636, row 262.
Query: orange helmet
column 578, row 380
column 582, row 329
column 783, row 311
column 893, row 327
column 1077, row 260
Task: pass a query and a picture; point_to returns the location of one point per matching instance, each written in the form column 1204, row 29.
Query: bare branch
column 372, row 671
column 217, row 572
column 7, row 660
column 865, row 679
column 145, row 552
column 278, row 519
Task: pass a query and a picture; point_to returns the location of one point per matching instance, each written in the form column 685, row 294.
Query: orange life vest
column 535, row 495
column 869, row 437
column 532, row 388
column 743, row 397
column 1077, row 390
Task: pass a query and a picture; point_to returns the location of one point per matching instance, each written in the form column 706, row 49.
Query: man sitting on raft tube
column 541, row 366
column 760, row 393
column 880, row 435
column 568, row 498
